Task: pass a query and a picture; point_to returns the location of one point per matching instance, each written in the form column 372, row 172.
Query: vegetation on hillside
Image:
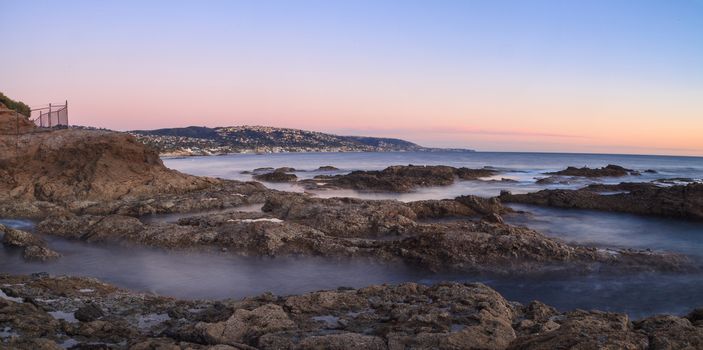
column 18, row 106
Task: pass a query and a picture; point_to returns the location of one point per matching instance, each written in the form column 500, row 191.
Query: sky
column 609, row 76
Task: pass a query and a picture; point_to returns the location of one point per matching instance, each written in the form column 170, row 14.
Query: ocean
column 199, row 275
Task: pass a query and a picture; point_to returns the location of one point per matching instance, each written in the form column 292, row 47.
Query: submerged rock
column 607, row 171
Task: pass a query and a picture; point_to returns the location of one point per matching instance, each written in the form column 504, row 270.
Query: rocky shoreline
column 98, row 186
column 54, row 312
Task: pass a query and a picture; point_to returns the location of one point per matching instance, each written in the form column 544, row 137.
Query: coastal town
column 193, row 141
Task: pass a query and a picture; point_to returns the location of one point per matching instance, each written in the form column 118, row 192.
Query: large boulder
column 69, row 165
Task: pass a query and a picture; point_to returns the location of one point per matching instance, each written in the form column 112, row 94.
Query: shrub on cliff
column 18, row 106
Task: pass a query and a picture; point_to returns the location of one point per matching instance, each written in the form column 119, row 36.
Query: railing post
column 17, row 134
column 49, row 115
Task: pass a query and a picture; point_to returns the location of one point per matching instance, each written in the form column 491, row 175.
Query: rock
column 327, row 168
column 37, row 253
column 19, row 239
column 285, row 169
column 33, row 247
column 607, row 171
column 494, row 218
column 550, row 180
column 501, row 248
column 404, row 316
column 343, row 341
column 398, row 178
column 245, row 326
column 343, row 217
column 89, row 313
column 636, row 198
column 586, row 330
column 276, row 176
column 671, row 332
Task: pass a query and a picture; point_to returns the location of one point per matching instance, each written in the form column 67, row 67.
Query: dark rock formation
column 637, row 198
column 294, row 224
column 33, row 247
column 398, row 178
column 607, row 171
column 278, row 175
column 440, row 316
column 88, row 313
column 327, row 168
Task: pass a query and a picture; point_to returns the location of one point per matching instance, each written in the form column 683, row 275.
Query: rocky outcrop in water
column 33, row 247
column 399, row 178
column 278, row 175
column 637, row 198
column 608, row 171
column 48, row 312
column 294, row 224
column 222, row 195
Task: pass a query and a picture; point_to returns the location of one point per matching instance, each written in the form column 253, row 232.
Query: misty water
column 219, row 275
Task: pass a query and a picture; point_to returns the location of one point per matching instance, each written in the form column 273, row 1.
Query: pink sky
column 593, row 77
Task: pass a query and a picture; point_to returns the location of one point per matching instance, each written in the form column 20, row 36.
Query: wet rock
column 637, row 198
column 245, row 325
column 327, row 168
column 550, row 180
column 37, row 253
column 399, row 178
column 33, row 247
column 671, row 332
column 19, row 239
column 501, row 248
column 607, row 171
column 494, row 218
column 343, row 217
column 409, row 315
column 586, row 330
column 343, row 341
column 276, row 176
column 88, row 313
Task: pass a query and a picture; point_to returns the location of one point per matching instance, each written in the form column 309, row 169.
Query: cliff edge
column 69, row 165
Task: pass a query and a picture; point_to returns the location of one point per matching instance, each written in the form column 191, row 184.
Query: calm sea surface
column 224, row 276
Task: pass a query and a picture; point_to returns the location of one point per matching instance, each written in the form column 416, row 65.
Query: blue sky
column 598, row 76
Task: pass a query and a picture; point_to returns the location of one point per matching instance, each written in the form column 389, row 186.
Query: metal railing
column 52, row 116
